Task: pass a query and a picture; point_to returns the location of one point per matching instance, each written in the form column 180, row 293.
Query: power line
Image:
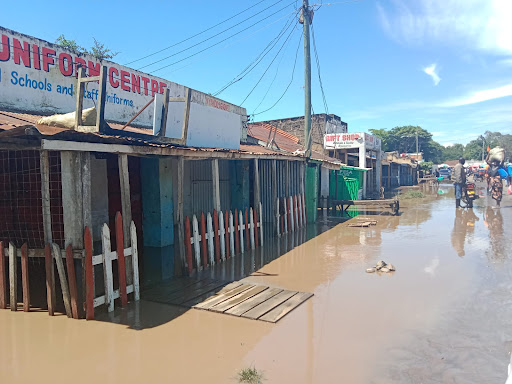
column 197, row 34
column 219, row 42
column 253, row 64
column 266, row 70
column 220, row 33
column 289, row 84
column 318, row 70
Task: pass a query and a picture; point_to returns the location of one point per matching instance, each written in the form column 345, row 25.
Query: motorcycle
column 469, row 194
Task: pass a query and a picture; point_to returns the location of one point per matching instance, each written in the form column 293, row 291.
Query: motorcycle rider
column 459, row 178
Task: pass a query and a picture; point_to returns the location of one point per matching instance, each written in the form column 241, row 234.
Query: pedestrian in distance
column 459, row 179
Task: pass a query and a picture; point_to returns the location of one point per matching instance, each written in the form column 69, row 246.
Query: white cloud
column 480, row 96
column 475, row 24
column 431, row 71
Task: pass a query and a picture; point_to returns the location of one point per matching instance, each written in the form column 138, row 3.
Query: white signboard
column 40, row 77
column 351, row 140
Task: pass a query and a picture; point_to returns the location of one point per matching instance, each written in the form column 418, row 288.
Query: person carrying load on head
column 496, row 172
column 459, row 178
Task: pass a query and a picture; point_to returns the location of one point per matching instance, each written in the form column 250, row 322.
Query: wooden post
column 179, row 211
column 186, row 116
column 296, row 210
column 163, row 126
column 299, row 202
column 278, row 232
column 251, row 226
column 62, row 278
column 79, row 97
column 261, row 224
column 135, row 261
column 222, row 236
column 241, row 219
column 210, row 238
column 216, row 184
column 13, row 276
column 286, row 217
column 275, row 203
column 255, row 221
column 70, row 263
column 102, row 96
column 124, row 180
column 246, row 230
column 290, row 214
column 24, row 278
column 203, row 241
column 231, row 234
column 216, row 235
column 45, row 196
column 197, row 239
column 256, row 184
column 121, row 265
column 287, row 178
column 237, row 229
column 188, row 245
column 107, row 268
column 89, row 276
column 226, row 232
column 3, row 278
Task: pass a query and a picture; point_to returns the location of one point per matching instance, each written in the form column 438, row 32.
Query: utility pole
column 306, row 17
column 417, row 154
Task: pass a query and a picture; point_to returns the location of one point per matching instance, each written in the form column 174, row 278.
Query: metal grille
column 21, row 219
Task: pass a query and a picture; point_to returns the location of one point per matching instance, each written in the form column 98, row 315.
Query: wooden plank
column 176, row 296
column 179, row 215
column 121, row 265
column 274, row 196
column 252, row 302
column 107, row 268
column 45, row 196
column 246, row 230
column 286, row 217
column 289, row 305
column 222, row 236
column 241, row 220
column 216, row 235
column 188, row 246
column 261, row 224
column 256, row 179
column 70, row 264
column 219, row 298
column 237, row 228
column 290, row 217
column 126, row 208
column 203, row 241
column 226, row 233
column 235, row 300
column 62, row 278
column 186, row 116
column 251, row 226
column 3, row 278
column 255, row 223
column 89, row 276
column 211, row 246
column 203, row 297
column 50, row 280
column 277, row 217
column 79, row 97
column 102, row 96
column 197, row 250
column 24, row 278
column 231, row 234
column 163, row 123
column 216, row 184
column 135, row 261
column 200, row 291
column 13, row 276
column 268, row 305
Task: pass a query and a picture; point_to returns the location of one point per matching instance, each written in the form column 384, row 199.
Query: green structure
column 312, row 171
column 345, row 183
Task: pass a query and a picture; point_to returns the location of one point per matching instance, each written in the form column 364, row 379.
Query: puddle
column 443, row 316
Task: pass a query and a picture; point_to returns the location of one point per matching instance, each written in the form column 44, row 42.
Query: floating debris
column 381, row 266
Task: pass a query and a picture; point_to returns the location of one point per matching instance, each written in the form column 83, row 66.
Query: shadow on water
column 152, row 311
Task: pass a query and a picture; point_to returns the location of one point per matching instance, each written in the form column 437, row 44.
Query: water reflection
column 463, row 224
column 493, row 220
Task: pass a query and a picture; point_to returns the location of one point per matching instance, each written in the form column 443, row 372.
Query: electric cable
column 221, row 32
column 197, row 34
column 318, row 70
column 268, row 67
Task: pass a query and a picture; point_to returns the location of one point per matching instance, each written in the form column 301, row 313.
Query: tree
column 384, row 136
column 72, row 45
column 98, row 50
column 453, row 152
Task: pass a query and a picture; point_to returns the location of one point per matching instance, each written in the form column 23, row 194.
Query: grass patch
column 411, row 195
column 250, row 376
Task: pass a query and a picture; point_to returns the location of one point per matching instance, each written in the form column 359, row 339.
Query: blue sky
column 445, row 65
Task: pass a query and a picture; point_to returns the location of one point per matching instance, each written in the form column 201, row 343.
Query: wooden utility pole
column 306, row 17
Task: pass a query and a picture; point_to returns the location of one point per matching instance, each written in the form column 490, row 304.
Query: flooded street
column 442, row 317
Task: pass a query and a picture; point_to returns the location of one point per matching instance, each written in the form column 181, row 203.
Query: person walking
column 495, row 182
column 459, row 178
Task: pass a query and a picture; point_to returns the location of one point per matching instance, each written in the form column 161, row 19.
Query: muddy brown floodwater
column 442, row 317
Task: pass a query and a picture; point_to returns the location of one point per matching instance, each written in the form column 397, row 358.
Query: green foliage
column 98, row 50
column 411, row 194
column 453, row 152
column 426, row 165
column 72, row 45
column 250, row 376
